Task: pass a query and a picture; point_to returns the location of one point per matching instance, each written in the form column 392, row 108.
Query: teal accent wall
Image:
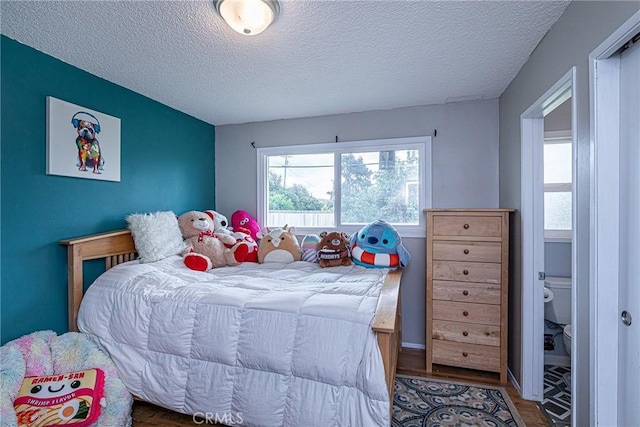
column 167, row 163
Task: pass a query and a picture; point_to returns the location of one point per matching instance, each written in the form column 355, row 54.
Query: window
column 346, row 185
column 557, row 188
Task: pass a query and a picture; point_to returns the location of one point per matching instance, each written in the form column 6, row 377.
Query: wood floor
column 411, row 362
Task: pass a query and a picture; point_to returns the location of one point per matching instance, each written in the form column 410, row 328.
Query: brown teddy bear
column 333, row 249
column 205, row 248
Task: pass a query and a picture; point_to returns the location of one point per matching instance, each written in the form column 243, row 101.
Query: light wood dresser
column 467, row 283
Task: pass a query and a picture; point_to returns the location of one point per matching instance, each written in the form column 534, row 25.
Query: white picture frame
column 81, row 142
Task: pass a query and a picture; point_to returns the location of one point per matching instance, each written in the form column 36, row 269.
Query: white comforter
column 257, row 344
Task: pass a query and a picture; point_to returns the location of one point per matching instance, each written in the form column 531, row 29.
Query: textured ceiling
column 318, row 58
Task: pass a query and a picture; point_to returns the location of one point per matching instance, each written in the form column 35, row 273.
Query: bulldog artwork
column 89, row 152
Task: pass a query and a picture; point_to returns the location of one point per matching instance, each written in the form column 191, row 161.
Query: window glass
column 557, row 163
column 557, row 210
column 375, row 185
column 300, row 190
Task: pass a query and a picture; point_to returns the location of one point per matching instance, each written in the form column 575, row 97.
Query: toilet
column 557, row 309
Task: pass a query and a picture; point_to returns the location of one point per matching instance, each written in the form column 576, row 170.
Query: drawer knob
column 465, row 292
column 465, row 354
column 465, row 333
column 465, row 272
column 466, row 226
column 465, row 313
column 466, row 251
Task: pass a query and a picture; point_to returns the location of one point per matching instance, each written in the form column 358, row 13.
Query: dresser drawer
column 466, row 312
column 466, row 332
column 480, row 226
column 482, row 293
column 479, row 272
column 467, row 251
column 483, row 357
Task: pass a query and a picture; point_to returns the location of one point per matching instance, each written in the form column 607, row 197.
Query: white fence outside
column 312, row 219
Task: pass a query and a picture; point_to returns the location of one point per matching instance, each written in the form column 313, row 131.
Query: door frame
column 532, row 202
column 604, row 105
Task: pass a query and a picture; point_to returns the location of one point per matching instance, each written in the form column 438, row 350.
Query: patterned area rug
column 432, row 402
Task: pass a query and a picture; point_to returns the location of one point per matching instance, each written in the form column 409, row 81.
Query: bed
column 337, row 377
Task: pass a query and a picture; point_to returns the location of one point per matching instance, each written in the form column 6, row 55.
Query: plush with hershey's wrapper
column 333, row 249
column 378, row 245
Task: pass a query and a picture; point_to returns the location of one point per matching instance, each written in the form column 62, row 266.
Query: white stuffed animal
column 220, row 222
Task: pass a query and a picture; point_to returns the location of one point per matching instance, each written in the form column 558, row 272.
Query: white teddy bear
column 220, row 222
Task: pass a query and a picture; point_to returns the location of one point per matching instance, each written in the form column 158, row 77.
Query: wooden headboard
column 115, row 247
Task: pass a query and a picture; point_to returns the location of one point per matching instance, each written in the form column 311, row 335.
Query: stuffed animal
column 333, row 249
column 308, row 247
column 243, row 236
column 279, row 245
column 205, row 248
column 221, row 223
column 57, row 400
column 378, row 245
column 241, row 219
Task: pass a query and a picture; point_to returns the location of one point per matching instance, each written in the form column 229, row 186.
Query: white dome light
column 248, row 17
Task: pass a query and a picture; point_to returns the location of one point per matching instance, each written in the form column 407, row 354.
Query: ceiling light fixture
column 248, row 17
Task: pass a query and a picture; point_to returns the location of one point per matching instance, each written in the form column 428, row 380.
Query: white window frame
column 420, row 143
column 558, row 236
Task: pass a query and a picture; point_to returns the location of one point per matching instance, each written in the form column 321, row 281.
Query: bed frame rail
column 387, row 324
column 116, row 247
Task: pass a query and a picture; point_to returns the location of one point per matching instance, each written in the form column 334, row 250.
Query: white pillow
column 156, row 235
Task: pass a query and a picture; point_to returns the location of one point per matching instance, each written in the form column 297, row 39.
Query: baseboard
column 517, row 386
column 414, row 345
column 515, row 383
column 557, row 360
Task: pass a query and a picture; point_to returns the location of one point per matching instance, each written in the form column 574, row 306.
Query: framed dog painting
column 81, row 142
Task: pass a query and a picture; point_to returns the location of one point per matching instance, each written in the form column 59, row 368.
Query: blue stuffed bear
column 378, row 245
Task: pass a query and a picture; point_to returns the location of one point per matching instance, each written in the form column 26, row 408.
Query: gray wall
column 465, row 167
column 560, row 118
column 557, row 260
column 582, row 27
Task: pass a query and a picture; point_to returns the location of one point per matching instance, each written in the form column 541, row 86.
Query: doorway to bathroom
column 549, row 248
column 558, row 226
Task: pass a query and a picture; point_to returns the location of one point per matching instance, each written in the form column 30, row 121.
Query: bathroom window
column 558, row 188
